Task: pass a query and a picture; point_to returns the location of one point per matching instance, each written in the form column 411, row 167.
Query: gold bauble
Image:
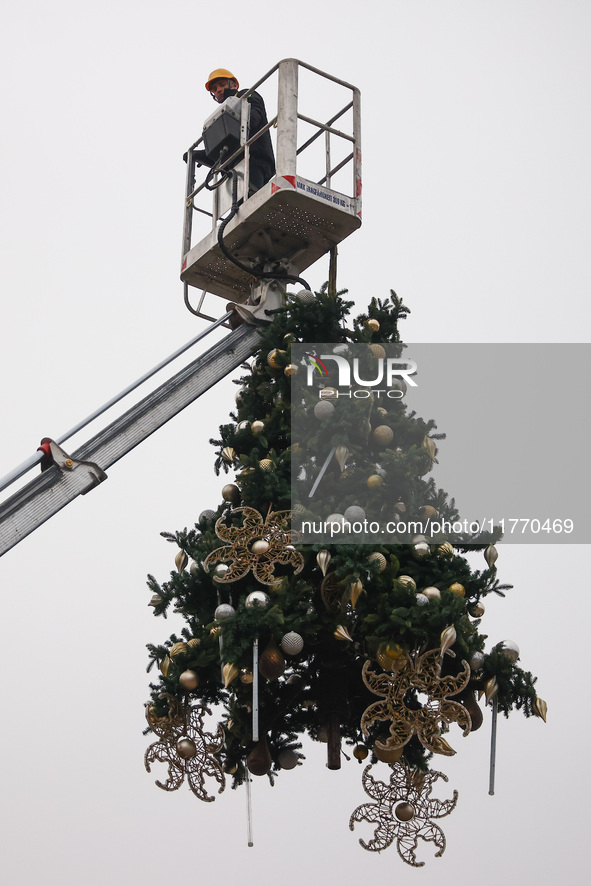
column 194, row 641
column 189, row 680
column 180, row 561
column 274, row 358
column 256, row 427
column 447, row 640
column 383, row 435
column 373, row 324
column 408, row 581
column 457, row 589
column 374, row 481
column 178, row 649
column 291, row 369
column 392, row 651
column 231, row 493
column 429, row 512
column 446, row 549
column 228, row 455
column 266, row 464
column 387, row 755
column 491, row 689
column 342, row 633
column 404, row 811
column 246, row 676
column 341, row 454
column 378, row 351
column 360, row 752
column 186, row 748
column 271, row 662
column 430, row 445
column 165, row 665
column 378, row 558
column 476, row 610
column 259, row 760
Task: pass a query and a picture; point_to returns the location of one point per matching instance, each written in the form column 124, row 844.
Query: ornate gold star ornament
column 257, row 545
column 404, row 811
column 416, row 677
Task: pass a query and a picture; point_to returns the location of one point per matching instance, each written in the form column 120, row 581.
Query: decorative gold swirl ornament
column 187, row 749
column 414, row 674
column 241, row 556
column 404, row 811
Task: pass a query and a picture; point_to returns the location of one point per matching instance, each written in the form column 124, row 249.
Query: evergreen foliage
column 324, row 680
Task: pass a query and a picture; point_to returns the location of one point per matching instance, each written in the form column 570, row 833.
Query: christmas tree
column 377, row 646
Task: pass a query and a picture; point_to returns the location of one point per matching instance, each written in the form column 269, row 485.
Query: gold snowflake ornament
column 404, row 811
column 257, row 545
column 187, row 749
column 416, row 675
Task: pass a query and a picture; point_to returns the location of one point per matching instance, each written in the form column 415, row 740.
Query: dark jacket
column 262, row 159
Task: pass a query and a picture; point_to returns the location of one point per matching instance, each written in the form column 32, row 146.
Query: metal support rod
column 322, row 472
column 255, row 690
column 35, row 459
column 287, row 117
column 248, row 810
column 493, row 748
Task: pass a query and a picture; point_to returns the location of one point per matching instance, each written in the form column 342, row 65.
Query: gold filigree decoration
column 411, row 788
column 182, row 733
column 333, row 594
column 239, row 553
column 401, row 707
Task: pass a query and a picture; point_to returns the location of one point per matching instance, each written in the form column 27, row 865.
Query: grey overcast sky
column 476, row 144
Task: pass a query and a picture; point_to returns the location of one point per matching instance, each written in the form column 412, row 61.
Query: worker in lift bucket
column 222, row 84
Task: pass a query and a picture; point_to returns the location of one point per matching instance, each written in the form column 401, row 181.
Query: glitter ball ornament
column 224, row 610
column 337, row 519
column 421, row 600
column 377, row 558
column 458, row 589
column 207, row 515
column 354, row 514
column 378, row 351
column 266, row 464
column 292, row 643
column 383, row 435
column 323, row 410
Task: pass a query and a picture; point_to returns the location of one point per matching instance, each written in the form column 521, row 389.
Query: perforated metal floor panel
column 298, row 223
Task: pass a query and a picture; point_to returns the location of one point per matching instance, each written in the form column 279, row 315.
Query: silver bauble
column 336, row 518
column 292, row 643
column 422, row 600
column 354, row 514
column 420, row 550
column 220, row 570
column 257, row 598
column 476, row 661
column 304, row 296
column 242, row 425
column 432, row 593
column 510, row 650
column 207, row 515
column 224, row 610
column 260, row 546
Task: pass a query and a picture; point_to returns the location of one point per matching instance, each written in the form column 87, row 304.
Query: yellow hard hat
column 220, row 72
